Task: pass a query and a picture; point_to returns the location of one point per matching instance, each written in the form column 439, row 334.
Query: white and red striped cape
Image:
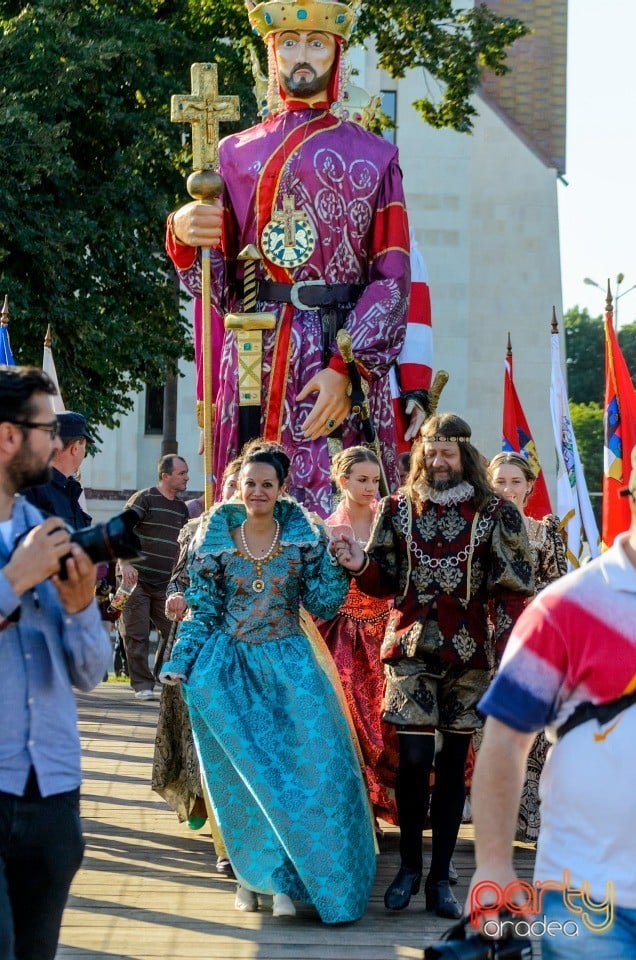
column 415, row 363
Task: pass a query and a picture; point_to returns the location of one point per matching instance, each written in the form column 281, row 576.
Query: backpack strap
column 601, row 712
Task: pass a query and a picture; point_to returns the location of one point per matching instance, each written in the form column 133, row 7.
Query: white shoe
column 283, row 906
column 245, row 900
column 146, row 695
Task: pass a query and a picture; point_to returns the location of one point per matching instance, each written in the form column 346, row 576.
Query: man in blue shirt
column 51, row 639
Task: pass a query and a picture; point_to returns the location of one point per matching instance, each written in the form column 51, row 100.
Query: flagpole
column 48, row 365
column 574, row 507
column 516, row 436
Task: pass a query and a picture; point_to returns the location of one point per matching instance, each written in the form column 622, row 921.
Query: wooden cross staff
column 204, row 109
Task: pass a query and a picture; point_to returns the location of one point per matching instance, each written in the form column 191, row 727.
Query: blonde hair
column 515, row 460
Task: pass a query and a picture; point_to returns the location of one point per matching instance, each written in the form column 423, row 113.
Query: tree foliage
column 89, row 167
column 587, row 422
column 90, row 164
column 584, row 348
column 585, row 352
column 453, row 45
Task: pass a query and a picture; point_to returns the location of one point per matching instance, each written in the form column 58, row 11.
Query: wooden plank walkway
column 147, row 888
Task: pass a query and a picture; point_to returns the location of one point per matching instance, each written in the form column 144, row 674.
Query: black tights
column 417, row 754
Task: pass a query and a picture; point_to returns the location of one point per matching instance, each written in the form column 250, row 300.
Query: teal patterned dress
column 273, row 741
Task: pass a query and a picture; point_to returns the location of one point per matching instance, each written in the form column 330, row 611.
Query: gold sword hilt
column 434, row 392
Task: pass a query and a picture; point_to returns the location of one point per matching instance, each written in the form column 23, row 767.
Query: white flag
column 48, row 365
column 573, row 501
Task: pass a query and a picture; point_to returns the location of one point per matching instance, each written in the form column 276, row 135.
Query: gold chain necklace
column 258, row 584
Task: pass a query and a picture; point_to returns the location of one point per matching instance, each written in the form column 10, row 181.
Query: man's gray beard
column 455, row 477
column 305, row 88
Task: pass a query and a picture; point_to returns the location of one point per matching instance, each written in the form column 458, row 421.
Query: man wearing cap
column 60, row 497
column 570, row 667
column 322, row 200
column 450, row 552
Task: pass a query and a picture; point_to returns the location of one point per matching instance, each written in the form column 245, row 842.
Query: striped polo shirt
column 160, row 521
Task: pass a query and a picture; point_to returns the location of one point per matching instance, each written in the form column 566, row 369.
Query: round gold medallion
column 258, row 585
column 288, row 240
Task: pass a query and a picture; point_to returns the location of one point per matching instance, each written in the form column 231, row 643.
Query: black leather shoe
column 441, row 900
column 399, row 893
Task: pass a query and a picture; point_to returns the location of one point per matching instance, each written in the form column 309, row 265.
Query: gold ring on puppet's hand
column 330, row 424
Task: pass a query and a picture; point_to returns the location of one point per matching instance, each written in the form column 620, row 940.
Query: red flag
column 516, row 436
column 619, row 424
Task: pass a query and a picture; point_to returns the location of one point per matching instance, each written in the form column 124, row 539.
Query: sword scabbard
column 360, row 403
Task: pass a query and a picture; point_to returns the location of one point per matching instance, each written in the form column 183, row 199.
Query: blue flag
column 6, row 357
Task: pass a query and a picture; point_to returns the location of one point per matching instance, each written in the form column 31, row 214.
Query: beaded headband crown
column 440, row 438
column 272, row 16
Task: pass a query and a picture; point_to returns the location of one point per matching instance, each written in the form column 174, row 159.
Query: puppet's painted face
column 305, row 60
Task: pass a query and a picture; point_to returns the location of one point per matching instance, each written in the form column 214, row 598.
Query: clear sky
column 597, row 211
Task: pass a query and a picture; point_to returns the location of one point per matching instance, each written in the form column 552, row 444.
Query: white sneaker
column 283, row 906
column 146, row 695
column 245, row 900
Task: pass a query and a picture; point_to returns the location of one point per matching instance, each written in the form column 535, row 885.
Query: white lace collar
column 458, row 494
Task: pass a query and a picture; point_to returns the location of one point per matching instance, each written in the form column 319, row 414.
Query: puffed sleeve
column 205, row 600
column 551, row 557
column 511, row 576
column 324, row 585
column 382, row 575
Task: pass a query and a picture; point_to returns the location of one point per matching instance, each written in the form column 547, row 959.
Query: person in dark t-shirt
column 161, row 516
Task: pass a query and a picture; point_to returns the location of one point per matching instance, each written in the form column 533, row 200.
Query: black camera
column 113, row 540
column 455, row 945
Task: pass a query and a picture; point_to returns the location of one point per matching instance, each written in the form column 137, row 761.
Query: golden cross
column 204, row 109
column 288, row 215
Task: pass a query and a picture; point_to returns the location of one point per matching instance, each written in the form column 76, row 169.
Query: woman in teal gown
column 271, row 733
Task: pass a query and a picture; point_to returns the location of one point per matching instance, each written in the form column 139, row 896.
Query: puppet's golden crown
column 272, row 16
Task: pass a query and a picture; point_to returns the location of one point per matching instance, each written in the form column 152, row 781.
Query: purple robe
column 349, row 184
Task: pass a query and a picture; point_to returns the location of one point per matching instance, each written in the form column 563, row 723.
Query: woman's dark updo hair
column 266, row 451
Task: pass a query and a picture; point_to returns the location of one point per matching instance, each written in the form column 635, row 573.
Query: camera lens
column 114, row 540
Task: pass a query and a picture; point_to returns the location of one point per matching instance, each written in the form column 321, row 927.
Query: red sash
column 266, row 196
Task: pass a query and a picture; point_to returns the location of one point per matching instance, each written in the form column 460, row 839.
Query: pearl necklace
column 258, row 584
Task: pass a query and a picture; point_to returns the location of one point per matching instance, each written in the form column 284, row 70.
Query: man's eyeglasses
column 53, row 428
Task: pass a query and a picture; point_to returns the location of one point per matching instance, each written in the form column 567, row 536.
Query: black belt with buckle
column 306, row 294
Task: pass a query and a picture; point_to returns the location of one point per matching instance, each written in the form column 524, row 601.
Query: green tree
column 587, row 421
column 90, row 163
column 627, row 342
column 585, row 353
column 584, row 349
column 89, row 167
column 452, row 44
